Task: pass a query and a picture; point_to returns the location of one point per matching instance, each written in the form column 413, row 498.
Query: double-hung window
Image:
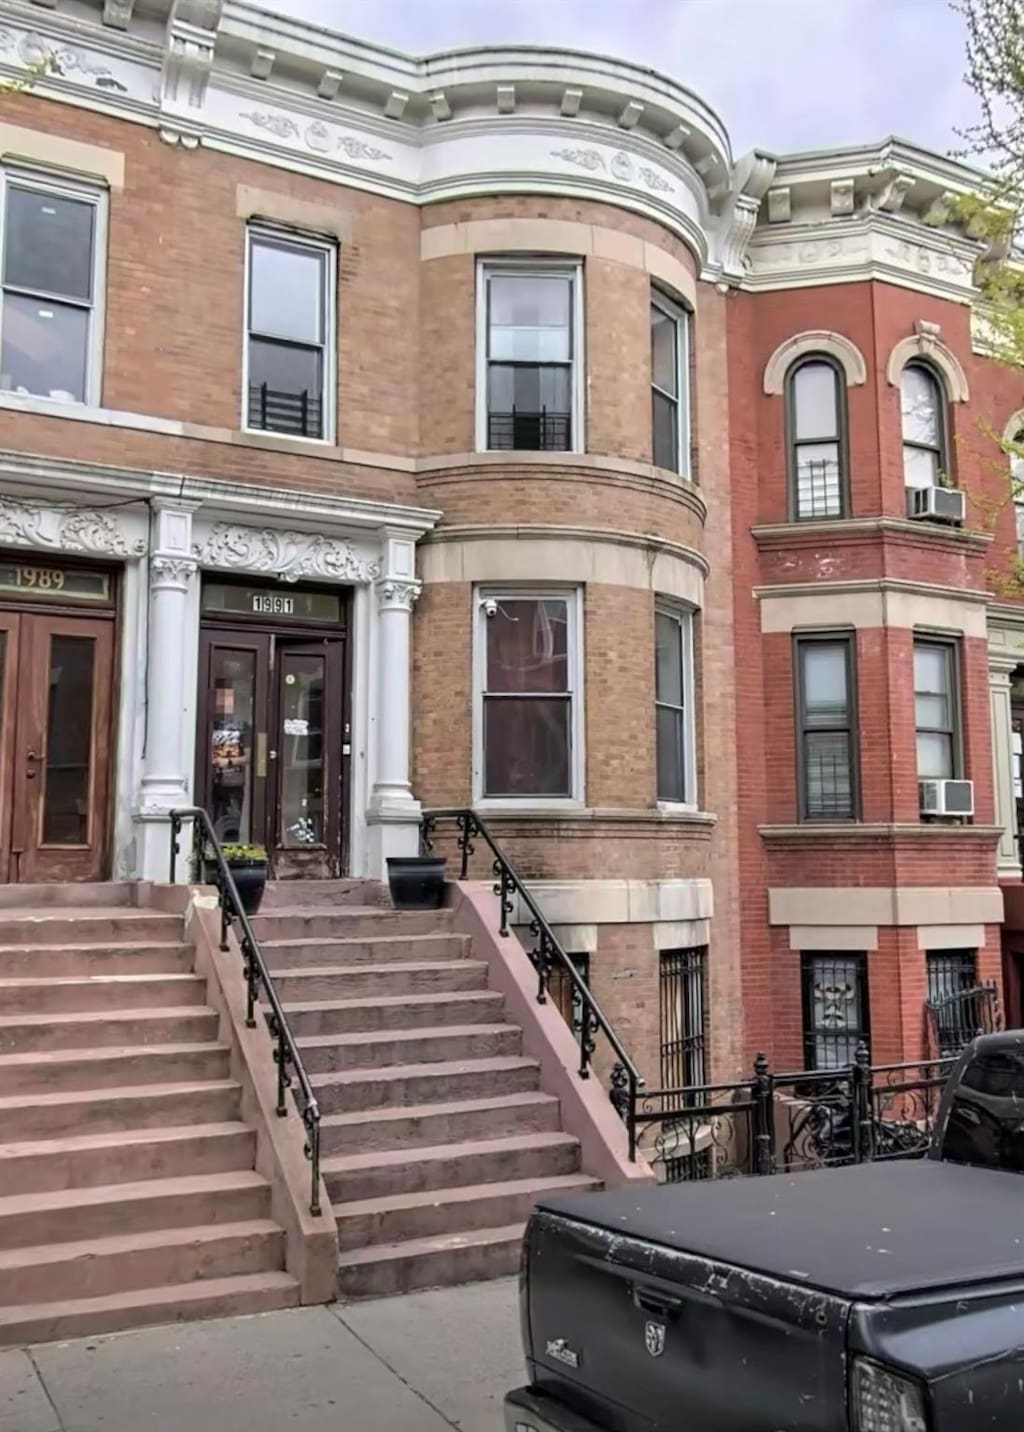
column 670, row 367
column 826, row 726
column 529, row 382
column 51, row 338
column 816, row 438
column 529, row 697
column 835, row 1009
column 936, row 710
column 289, row 335
column 923, row 407
column 673, row 703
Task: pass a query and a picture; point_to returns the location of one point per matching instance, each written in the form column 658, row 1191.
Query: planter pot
column 250, row 877
column 416, row 882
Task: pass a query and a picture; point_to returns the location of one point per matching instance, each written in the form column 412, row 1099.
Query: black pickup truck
column 885, row 1297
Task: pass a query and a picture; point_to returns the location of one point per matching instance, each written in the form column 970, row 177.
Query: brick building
column 381, row 433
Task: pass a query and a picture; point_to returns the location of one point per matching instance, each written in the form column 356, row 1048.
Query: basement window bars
column 289, row 341
column 835, row 1009
column 682, row 1016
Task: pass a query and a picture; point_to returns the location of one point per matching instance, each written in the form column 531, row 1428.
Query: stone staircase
column 436, row 1137
column 127, row 1189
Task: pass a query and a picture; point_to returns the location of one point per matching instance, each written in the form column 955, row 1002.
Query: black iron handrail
column 546, row 955
column 206, row 847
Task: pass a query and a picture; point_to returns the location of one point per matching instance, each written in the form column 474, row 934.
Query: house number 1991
column 267, row 604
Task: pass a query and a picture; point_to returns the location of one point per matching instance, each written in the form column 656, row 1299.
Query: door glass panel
column 301, row 751
column 68, row 741
column 231, row 732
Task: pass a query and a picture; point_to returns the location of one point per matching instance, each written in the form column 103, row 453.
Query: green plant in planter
column 243, row 852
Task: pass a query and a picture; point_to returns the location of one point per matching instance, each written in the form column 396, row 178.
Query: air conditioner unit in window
column 936, row 504
column 946, row 797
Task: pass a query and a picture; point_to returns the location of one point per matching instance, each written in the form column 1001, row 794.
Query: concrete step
column 381, row 1173
column 148, row 1307
column 125, row 1156
column 104, row 1029
column 352, row 1091
column 442, row 1044
column 83, row 994
column 237, row 1196
column 32, row 961
column 83, row 895
column 52, row 925
column 35, row 1116
column 322, row 985
column 430, row 1124
column 438, row 1262
column 109, row 1068
column 363, row 1016
column 461, row 1210
column 99, row 1267
column 286, row 894
column 355, row 922
column 300, row 956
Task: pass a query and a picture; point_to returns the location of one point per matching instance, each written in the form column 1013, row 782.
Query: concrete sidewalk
column 429, row 1362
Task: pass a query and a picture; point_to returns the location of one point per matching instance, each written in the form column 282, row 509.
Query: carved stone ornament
column 188, row 54
column 622, row 167
column 395, row 595
column 279, row 125
column 172, row 571
column 59, row 527
column 288, row 555
column 64, row 61
column 316, row 136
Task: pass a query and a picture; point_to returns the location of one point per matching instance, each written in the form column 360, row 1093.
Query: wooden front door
column 55, row 746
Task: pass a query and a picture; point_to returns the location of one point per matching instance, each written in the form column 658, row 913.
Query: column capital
column 171, row 571
column 397, row 594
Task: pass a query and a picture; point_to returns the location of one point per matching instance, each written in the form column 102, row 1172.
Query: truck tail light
column 885, row 1401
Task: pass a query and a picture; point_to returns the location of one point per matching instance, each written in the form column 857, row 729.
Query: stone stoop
column 128, row 1194
column 437, row 1139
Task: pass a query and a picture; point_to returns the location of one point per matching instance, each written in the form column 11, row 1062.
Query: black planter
column 416, row 882
column 250, row 877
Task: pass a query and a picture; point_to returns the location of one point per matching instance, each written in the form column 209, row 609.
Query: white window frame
column 314, row 244
column 684, row 615
column 545, row 268
column 67, row 187
column 680, row 316
column 573, row 598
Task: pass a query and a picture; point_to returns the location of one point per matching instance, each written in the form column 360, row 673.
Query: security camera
column 490, row 607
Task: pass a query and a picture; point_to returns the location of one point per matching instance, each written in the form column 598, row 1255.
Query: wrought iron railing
column 529, row 432
column 789, row 1122
column 206, row 850
column 959, row 1017
column 274, row 410
column 548, row 958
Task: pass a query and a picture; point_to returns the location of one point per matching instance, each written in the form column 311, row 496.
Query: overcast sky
column 783, row 74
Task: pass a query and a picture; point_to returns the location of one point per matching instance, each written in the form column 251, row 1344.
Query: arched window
column 923, row 401
column 816, row 438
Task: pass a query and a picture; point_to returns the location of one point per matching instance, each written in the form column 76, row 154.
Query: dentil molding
column 61, row 527
column 289, row 556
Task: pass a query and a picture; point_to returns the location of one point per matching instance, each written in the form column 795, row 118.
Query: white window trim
column 546, row 267
column 573, row 596
column 69, row 187
column 681, row 318
column 684, row 616
column 329, row 248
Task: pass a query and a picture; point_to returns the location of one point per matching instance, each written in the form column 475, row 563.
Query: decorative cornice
column 290, row 556
column 63, row 527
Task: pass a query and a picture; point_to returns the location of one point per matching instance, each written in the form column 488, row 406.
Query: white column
column 1000, row 670
column 165, row 783
column 394, row 814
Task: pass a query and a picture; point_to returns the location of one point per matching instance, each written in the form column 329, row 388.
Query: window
column 826, row 726
column 290, row 342
column 670, row 369
column 564, row 995
column 673, row 704
column 935, row 710
column 815, row 418
column 529, row 341
column 924, row 426
column 683, row 1019
column 51, row 320
column 835, row 1009
column 1017, row 489
column 954, row 999
column 530, row 690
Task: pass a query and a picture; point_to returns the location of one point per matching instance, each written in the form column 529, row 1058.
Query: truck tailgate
column 638, row 1336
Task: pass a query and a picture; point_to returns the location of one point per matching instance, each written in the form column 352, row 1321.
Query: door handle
column 31, row 757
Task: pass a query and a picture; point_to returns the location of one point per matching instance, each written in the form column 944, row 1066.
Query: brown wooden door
column 306, row 758
column 55, row 746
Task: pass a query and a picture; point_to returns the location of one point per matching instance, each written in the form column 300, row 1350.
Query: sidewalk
column 430, row 1362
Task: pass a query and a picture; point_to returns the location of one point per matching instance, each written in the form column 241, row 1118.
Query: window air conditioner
column 946, row 797
column 936, row 504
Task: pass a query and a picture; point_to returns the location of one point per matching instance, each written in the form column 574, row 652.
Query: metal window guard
column 206, row 847
column 546, row 956
column 275, row 410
